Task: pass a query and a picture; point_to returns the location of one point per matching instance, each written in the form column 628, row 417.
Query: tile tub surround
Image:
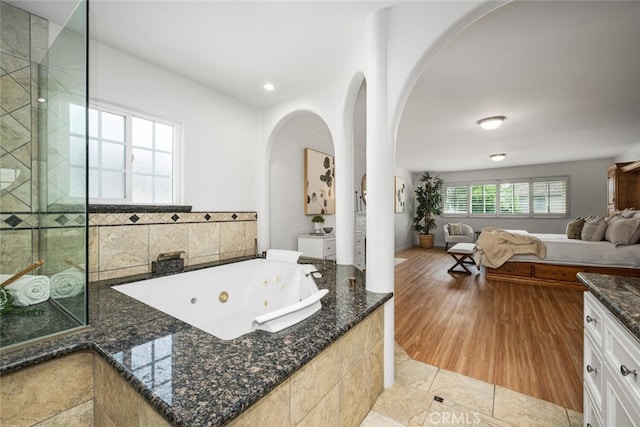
column 211, row 381
column 621, row 295
column 125, row 243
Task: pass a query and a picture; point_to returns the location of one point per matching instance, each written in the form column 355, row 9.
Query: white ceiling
column 565, row 73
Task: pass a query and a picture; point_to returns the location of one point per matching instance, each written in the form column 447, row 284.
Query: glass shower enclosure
column 43, row 178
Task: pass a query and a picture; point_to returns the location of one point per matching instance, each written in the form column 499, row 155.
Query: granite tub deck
column 621, row 295
column 208, row 381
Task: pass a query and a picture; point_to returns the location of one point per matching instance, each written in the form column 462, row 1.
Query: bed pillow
column 628, row 213
column 623, row 232
column 594, row 228
column 612, row 219
column 574, row 228
column 455, row 229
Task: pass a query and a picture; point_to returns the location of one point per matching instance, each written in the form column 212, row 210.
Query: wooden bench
column 462, row 253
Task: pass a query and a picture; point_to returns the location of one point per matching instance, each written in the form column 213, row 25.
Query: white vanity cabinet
column 323, row 246
column 611, row 369
column 358, row 251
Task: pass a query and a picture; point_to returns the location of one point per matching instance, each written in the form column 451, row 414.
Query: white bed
column 565, row 258
column 562, row 250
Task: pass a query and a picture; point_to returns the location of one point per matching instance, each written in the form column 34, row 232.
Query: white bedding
column 561, row 250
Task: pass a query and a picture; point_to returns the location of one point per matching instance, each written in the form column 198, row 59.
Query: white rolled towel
column 283, row 255
column 68, row 283
column 28, row 290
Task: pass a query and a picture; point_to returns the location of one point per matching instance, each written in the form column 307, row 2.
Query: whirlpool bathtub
column 234, row 299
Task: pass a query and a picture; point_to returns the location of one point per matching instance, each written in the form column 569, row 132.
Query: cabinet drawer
column 621, row 408
column 593, row 370
column 622, row 354
column 592, row 417
column 565, row 274
column 593, row 318
column 358, row 240
column 514, row 269
column 329, row 247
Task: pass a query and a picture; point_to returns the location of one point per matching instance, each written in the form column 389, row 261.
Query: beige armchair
column 467, row 236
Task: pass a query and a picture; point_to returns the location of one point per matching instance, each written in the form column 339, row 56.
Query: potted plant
column 428, row 206
column 317, row 221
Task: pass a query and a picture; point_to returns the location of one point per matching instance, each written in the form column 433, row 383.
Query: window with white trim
column 550, row 197
column 532, row 197
column 456, row 199
column 133, row 158
column 514, row 198
column 483, row 199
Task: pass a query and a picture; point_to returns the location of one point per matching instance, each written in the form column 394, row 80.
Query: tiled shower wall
column 125, row 244
column 23, row 45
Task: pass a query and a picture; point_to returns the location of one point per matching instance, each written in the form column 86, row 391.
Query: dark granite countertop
column 198, row 379
column 621, row 295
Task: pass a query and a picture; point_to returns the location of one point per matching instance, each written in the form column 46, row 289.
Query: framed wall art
column 400, row 195
column 319, row 183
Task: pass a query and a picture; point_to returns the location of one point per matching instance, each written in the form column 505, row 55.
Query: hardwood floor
column 523, row 337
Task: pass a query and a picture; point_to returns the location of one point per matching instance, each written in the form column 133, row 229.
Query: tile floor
column 424, row 395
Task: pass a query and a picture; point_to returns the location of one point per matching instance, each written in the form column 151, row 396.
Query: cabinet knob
column 626, row 371
column 590, row 369
column 590, row 319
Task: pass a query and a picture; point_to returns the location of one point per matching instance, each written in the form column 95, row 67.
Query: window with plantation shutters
column 514, row 198
column 456, row 199
column 522, row 197
column 550, row 197
column 483, row 199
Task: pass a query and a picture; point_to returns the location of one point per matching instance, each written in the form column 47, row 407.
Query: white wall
column 286, row 175
column 220, row 135
column 404, row 235
column 287, row 180
column 629, row 156
column 587, row 194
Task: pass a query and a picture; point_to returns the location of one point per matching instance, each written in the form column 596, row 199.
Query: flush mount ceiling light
column 269, row 87
column 498, row 157
column 491, row 123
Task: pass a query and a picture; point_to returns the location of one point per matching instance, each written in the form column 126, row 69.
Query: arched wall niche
column 295, row 132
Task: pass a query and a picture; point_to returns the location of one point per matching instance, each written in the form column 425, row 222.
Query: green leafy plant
column 318, row 218
column 428, row 203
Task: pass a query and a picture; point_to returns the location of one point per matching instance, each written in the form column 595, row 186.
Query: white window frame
column 177, row 153
column 530, row 205
column 567, row 197
column 499, row 214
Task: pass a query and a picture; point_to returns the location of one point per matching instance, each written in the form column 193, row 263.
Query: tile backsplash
column 125, row 244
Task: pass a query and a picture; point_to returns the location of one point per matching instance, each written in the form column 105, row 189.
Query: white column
column 380, row 168
column 345, row 221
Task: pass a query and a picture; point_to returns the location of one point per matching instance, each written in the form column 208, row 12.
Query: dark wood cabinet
column 623, row 187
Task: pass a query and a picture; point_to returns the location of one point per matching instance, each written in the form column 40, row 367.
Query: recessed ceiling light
column 491, row 123
column 41, row 100
column 269, row 87
column 498, row 157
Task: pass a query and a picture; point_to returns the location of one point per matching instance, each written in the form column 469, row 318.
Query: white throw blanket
column 495, row 246
column 68, row 283
column 27, row 290
column 283, row 255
